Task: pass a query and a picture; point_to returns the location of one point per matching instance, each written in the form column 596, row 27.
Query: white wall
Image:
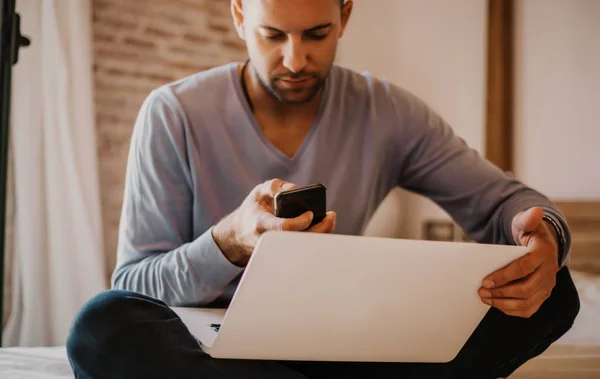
column 558, row 97
column 434, row 48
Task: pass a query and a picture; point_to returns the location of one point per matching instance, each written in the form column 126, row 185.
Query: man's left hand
column 520, row 288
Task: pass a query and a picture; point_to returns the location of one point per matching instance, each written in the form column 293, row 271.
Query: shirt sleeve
column 157, row 253
column 437, row 164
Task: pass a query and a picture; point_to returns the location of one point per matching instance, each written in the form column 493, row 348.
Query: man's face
column 292, row 44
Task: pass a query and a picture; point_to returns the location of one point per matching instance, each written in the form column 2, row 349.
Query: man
column 194, row 208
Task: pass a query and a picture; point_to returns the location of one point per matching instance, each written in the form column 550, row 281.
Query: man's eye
column 316, row 37
column 278, row 36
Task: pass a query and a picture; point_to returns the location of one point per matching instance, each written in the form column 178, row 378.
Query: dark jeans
column 120, row 334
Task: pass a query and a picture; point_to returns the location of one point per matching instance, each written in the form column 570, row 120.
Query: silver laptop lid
column 330, row 297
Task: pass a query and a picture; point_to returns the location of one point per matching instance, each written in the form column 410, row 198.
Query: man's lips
column 296, row 82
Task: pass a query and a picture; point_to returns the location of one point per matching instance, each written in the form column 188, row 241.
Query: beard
column 293, row 95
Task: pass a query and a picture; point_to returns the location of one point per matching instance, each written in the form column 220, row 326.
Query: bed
column 575, row 356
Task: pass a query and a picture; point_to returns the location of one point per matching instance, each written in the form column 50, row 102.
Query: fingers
column 519, row 307
column 270, row 188
column 268, row 221
column 523, row 297
column 301, row 223
column 520, row 289
column 516, row 270
column 325, row 226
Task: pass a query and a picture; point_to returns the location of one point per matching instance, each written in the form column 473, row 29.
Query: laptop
column 327, row 297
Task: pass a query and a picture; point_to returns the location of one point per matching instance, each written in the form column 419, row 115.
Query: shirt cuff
column 210, row 264
column 560, row 221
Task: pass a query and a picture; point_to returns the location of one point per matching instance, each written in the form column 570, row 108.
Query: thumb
column 527, row 221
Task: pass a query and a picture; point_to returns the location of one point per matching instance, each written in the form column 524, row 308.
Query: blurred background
column 438, row 50
column 518, row 80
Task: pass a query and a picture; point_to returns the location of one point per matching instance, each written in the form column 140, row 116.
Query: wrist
column 224, row 238
column 557, row 235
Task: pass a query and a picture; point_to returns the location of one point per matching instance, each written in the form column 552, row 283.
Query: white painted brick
column 140, row 45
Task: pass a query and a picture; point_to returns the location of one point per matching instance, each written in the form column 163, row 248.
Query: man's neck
column 265, row 103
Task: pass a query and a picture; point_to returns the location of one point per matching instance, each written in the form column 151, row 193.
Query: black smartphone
column 295, row 202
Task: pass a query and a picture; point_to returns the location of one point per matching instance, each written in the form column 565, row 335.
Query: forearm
column 485, row 200
column 195, row 273
column 478, row 195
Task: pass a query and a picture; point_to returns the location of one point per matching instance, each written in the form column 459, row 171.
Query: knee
column 114, row 308
column 101, row 319
column 564, row 302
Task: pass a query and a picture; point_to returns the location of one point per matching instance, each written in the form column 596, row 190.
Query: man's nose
column 294, row 55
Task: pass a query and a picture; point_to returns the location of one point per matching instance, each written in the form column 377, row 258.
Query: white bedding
column 586, row 330
column 34, row 363
column 575, row 355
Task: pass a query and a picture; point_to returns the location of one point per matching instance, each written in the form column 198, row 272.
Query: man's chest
column 357, row 174
column 285, row 137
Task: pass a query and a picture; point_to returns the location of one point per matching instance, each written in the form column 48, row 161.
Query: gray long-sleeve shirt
column 197, row 151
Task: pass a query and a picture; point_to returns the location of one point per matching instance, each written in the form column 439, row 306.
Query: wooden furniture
column 500, row 79
column 584, row 221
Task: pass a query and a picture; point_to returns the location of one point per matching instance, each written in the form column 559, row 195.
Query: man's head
column 291, row 43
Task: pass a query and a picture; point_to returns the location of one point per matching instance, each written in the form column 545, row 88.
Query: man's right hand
column 237, row 234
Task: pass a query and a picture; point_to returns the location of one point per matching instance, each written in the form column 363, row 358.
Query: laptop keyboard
column 215, row 327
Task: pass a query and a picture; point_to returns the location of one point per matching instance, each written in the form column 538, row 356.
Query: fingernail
column 310, row 216
column 488, row 283
column 287, row 186
column 487, row 301
column 486, row 294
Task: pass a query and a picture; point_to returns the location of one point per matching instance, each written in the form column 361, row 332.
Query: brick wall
column 140, row 45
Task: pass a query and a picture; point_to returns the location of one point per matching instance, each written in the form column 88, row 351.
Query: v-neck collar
column 261, row 135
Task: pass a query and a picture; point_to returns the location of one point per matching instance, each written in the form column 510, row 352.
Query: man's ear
column 346, row 12
column 237, row 13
